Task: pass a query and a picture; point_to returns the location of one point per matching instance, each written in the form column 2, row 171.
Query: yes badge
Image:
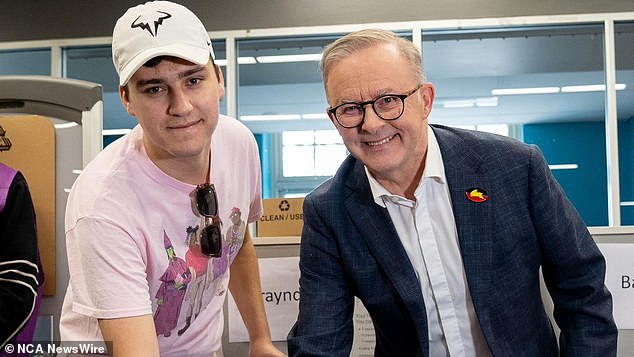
column 477, row 195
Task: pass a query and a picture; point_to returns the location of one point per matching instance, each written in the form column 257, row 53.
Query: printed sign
column 619, row 278
column 282, row 217
column 364, row 336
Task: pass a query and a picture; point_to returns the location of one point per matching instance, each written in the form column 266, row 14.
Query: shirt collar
column 434, row 169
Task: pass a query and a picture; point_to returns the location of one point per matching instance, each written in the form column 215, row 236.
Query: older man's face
column 393, row 151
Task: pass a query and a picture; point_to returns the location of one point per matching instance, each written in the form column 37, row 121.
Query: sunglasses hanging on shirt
column 205, row 200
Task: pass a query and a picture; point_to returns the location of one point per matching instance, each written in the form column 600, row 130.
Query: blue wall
column 264, row 143
column 583, row 143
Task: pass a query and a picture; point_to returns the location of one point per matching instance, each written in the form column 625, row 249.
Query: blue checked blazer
column 350, row 248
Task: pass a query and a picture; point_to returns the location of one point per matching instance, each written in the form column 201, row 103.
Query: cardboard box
column 282, row 217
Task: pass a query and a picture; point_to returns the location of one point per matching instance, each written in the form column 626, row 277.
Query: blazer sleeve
column 573, row 268
column 324, row 325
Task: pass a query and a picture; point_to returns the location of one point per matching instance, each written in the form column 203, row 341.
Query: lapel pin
column 477, row 195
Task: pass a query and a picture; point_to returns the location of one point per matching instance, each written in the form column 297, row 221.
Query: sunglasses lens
column 210, row 241
column 206, row 200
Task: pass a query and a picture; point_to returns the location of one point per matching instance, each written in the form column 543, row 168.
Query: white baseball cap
column 158, row 28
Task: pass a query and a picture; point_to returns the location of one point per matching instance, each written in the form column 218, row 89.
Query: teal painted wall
column 263, row 141
column 583, row 143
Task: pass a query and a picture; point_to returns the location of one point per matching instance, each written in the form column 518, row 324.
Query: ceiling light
column 289, row 58
column 115, row 131
column 584, row 88
column 315, row 116
column 270, row 117
column 241, row 60
column 486, row 102
column 534, row 90
column 564, row 167
column 468, row 102
column 247, row 60
column 589, row 88
column 462, row 103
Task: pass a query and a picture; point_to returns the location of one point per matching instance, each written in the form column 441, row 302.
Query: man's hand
column 264, row 349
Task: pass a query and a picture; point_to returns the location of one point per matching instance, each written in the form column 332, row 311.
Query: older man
column 440, row 232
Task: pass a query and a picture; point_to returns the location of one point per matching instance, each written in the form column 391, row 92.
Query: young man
column 440, row 232
column 150, row 265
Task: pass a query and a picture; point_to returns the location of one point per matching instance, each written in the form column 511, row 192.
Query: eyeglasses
column 386, row 107
column 205, row 200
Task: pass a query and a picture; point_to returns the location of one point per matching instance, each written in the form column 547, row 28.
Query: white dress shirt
column 427, row 229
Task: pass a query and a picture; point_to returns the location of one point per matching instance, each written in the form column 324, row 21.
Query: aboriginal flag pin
column 477, row 195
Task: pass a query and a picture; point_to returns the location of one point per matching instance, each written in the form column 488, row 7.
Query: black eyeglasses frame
column 402, row 97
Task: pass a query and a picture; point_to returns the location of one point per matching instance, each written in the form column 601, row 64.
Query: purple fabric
column 7, row 175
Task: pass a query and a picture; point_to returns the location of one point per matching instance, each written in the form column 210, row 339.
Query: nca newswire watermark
column 54, row 348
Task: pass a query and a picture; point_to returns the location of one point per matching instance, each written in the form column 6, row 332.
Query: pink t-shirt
column 128, row 232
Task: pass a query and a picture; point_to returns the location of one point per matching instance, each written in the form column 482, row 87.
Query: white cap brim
column 187, row 52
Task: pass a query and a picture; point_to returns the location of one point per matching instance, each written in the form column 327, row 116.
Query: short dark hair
column 156, row 60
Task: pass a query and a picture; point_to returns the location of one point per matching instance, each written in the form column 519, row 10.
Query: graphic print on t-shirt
column 199, row 266
column 169, row 297
column 186, row 282
column 235, row 233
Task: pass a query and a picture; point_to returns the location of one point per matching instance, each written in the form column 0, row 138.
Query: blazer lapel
column 473, row 218
column 375, row 226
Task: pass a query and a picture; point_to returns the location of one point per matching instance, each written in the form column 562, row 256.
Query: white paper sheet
column 280, row 293
column 619, row 278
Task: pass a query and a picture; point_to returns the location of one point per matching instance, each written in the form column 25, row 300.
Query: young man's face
column 176, row 104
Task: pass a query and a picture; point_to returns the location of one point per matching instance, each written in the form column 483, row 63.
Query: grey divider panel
column 63, row 101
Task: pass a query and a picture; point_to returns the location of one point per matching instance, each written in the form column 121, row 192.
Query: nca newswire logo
column 54, row 348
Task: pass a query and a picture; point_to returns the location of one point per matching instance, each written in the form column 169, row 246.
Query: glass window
column 281, row 98
column 311, row 153
column 624, row 47
column 280, row 93
column 500, row 129
column 543, row 83
column 25, row 62
column 279, row 85
column 94, row 64
column 220, row 57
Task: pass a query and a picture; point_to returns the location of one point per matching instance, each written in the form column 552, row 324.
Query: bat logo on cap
column 145, row 23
